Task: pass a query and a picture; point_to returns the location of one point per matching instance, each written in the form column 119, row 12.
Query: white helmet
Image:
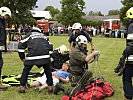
column 77, row 26
column 130, row 37
column 36, row 29
column 5, row 11
column 63, row 49
column 81, row 39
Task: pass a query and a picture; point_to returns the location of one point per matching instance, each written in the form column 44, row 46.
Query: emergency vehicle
column 111, row 24
column 44, row 25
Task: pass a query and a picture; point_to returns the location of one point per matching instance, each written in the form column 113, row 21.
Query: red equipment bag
column 94, row 91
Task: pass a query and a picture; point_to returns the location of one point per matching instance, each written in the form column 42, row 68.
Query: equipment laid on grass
column 14, row 80
column 94, row 90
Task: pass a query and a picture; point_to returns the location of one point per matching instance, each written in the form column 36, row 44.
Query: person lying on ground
column 60, row 75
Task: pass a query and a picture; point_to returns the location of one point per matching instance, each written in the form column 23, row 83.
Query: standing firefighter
column 4, row 11
column 78, row 74
column 125, row 65
column 77, row 30
column 39, row 49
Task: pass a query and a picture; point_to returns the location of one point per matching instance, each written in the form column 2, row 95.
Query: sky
column 91, row 5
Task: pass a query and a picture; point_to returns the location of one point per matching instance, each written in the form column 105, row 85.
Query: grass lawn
column 111, row 50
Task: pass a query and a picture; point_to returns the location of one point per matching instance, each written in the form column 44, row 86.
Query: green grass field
column 110, row 48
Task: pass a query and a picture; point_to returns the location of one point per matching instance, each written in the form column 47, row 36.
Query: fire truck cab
column 112, row 24
column 44, row 25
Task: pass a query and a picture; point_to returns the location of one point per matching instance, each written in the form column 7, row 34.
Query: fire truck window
column 106, row 23
column 115, row 22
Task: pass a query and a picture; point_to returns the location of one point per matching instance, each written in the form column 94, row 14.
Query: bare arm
column 90, row 56
column 64, row 80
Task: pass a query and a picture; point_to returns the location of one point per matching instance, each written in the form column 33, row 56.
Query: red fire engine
column 111, row 24
column 44, row 25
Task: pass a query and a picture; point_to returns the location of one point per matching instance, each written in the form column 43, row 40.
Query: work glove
column 97, row 55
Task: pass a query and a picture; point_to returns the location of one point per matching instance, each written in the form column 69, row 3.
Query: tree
column 92, row 13
column 127, row 5
column 85, row 22
column 52, row 10
column 72, row 11
column 113, row 12
column 20, row 9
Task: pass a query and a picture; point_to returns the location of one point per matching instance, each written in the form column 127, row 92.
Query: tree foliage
column 127, row 4
column 85, row 22
column 72, row 11
column 98, row 13
column 20, row 9
column 52, row 10
column 113, row 12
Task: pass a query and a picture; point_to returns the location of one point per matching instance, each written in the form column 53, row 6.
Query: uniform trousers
column 127, row 80
column 1, row 62
column 27, row 69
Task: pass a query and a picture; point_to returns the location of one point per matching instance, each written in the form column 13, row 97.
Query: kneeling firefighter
column 78, row 74
column 125, row 65
column 60, row 55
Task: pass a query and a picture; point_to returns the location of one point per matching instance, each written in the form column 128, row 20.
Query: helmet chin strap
column 81, row 48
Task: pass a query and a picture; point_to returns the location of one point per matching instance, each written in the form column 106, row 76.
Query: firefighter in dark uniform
column 125, row 65
column 39, row 49
column 60, row 55
column 77, row 30
column 4, row 11
column 77, row 61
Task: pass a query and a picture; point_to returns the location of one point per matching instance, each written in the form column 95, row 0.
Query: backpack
column 96, row 90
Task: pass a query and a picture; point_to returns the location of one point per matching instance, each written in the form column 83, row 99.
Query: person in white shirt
column 60, row 75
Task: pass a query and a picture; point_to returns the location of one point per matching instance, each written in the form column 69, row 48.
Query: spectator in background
column 102, row 31
column 59, row 30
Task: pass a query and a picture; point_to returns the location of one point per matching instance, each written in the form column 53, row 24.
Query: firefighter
column 4, row 11
column 77, row 61
column 129, row 45
column 125, row 65
column 77, row 30
column 60, row 55
column 39, row 49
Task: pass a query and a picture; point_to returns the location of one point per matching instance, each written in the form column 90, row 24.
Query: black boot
column 2, row 87
column 120, row 65
column 58, row 88
column 50, row 89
